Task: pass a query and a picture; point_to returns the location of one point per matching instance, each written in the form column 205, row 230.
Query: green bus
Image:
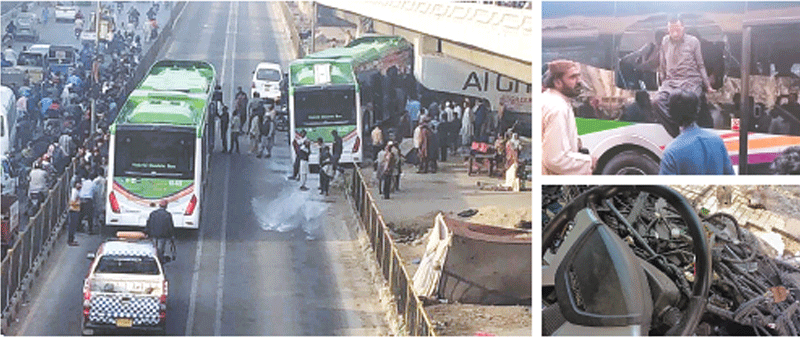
column 159, row 148
column 348, row 89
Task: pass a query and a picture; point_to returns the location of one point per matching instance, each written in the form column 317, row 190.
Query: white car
column 126, row 288
column 66, row 12
column 267, row 81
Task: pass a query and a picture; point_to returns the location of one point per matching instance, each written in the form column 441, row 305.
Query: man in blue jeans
column 695, row 150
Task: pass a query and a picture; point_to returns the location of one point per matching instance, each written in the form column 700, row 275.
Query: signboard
column 446, row 74
column 322, row 73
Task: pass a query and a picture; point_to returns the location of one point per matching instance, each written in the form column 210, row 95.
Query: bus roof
column 172, row 93
column 363, row 49
column 344, row 60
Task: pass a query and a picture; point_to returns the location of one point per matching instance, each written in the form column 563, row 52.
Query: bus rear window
column 154, row 154
column 325, row 107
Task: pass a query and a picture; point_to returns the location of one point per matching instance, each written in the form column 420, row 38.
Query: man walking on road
column 86, row 194
column 267, row 129
column 682, row 68
column 337, row 150
column 160, row 227
column 223, row 126
column 560, row 143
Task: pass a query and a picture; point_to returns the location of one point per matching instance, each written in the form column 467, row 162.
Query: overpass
column 481, row 50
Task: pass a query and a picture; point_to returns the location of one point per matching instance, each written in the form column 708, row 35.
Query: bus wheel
column 631, row 162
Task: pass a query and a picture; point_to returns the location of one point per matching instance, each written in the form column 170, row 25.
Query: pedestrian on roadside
column 236, row 127
column 377, row 140
column 267, row 135
column 467, row 129
column 297, row 143
column 388, row 164
column 561, row 148
column 325, row 169
column 240, row 105
column 398, row 169
column 695, row 150
column 433, row 148
column 254, row 133
column 160, row 227
column 86, row 194
column 99, row 193
column 302, row 154
column 74, row 212
column 255, row 108
column 337, row 151
column 424, row 146
column 223, row 126
column 443, row 135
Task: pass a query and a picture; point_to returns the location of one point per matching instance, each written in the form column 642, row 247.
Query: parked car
column 126, row 289
column 65, row 12
column 266, row 81
column 26, row 27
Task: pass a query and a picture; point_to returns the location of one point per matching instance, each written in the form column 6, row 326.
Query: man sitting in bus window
column 681, row 67
column 695, row 150
column 560, row 144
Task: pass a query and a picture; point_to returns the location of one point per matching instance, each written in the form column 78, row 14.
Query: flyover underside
column 427, row 44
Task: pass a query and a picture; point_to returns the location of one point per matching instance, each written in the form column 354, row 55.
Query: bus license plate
column 124, row 322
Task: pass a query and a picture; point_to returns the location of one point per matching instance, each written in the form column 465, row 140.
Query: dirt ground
column 411, row 212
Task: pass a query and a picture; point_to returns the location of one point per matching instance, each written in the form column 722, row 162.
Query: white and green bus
column 348, row 89
column 159, row 148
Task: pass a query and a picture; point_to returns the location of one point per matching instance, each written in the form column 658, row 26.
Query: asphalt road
column 268, row 258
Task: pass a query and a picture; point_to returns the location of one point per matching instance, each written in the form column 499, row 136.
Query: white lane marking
column 199, row 252
column 225, row 189
column 195, row 278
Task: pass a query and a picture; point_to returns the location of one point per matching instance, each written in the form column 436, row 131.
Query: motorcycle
column 634, row 260
column 78, row 28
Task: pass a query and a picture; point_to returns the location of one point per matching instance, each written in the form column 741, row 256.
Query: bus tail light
column 191, row 206
column 357, row 144
column 112, row 199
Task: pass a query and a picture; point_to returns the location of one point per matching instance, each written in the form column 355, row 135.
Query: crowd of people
column 447, row 127
column 54, row 126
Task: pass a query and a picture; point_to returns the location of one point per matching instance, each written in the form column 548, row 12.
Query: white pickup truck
column 126, row 288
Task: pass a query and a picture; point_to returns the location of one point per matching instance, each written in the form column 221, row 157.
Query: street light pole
column 95, row 80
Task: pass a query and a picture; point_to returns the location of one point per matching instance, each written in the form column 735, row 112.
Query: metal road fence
column 408, row 304
column 33, row 244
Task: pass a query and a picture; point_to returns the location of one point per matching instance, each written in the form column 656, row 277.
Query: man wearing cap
column 560, row 142
column 160, row 227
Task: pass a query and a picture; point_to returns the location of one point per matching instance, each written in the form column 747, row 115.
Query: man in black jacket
column 160, row 227
column 223, row 126
column 337, row 150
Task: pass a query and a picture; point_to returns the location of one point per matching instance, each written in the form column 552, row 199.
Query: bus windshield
column 154, row 154
column 325, row 107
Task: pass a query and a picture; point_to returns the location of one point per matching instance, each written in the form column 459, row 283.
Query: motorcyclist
column 78, row 26
column 37, row 184
column 160, row 227
column 133, row 16
column 151, row 13
column 11, row 28
column 79, row 15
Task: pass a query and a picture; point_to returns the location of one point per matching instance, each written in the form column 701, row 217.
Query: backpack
column 265, row 126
